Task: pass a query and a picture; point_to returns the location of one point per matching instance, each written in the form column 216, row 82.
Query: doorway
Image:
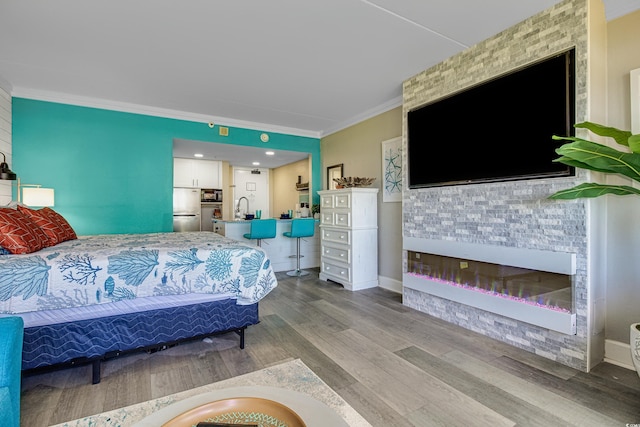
column 254, row 185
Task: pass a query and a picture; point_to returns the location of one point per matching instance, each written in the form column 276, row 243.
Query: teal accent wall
column 112, row 172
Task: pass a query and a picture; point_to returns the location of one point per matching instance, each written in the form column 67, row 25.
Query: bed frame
column 93, row 341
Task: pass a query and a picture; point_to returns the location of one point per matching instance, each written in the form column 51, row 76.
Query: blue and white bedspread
column 106, row 268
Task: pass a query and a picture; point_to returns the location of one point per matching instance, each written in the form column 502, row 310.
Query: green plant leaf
column 634, row 143
column 584, row 154
column 594, row 190
column 620, row 136
column 601, row 158
column 572, row 162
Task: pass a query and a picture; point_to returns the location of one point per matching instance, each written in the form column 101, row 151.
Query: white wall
column 5, row 142
column 622, row 225
column 255, row 187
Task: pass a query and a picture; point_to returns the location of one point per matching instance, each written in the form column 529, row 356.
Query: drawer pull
column 342, row 255
column 342, row 273
column 342, row 237
column 327, row 251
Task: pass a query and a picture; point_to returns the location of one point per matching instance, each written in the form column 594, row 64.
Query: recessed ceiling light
column 269, row 153
column 264, row 137
column 198, row 155
column 255, row 163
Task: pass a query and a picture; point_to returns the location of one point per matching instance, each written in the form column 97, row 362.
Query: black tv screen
column 500, row 130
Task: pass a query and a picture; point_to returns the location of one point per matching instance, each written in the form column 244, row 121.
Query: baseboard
column 390, row 284
column 618, row 353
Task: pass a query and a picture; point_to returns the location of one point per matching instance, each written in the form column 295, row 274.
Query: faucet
column 238, row 206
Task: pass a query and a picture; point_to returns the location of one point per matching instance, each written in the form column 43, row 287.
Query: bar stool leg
column 297, row 272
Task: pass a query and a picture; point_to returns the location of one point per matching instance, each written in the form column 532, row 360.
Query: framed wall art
column 392, row 170
column 334, row 171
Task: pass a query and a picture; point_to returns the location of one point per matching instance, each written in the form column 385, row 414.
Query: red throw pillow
column 68, row 232
column 19, row 234
column 54, row 232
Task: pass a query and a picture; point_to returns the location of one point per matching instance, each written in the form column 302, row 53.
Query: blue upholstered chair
column 300, row 227
column 261, row 229
column 11, row 335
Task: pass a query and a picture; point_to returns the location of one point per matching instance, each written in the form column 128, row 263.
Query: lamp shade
column 38, row 196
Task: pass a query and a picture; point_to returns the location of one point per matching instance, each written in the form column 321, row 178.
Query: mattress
column 103, row 269
column 118, row 308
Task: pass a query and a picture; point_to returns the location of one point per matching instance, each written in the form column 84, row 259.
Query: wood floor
column 394, row 365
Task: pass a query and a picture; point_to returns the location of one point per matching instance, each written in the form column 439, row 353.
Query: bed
column 90, row 298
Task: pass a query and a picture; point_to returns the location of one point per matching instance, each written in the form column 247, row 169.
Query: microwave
column 210, row 195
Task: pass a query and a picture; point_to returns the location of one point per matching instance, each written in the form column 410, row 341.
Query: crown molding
column 382, row 108
column 61, row 98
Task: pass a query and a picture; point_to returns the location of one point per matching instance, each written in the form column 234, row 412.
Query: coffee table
column 313, row 412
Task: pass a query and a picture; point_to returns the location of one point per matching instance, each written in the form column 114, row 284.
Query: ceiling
column 236, row 155
column 299, row 67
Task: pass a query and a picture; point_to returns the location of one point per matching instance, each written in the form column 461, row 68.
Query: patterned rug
column 294, row 376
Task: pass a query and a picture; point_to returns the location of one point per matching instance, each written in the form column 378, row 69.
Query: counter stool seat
column 261, row 229
column 300, row 227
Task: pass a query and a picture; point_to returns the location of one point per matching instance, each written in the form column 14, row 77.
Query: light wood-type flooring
column 394, row 365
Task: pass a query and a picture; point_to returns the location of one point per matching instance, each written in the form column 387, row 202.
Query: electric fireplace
column 528, row 285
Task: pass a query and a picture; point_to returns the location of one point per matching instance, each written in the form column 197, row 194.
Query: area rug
column 294, row 376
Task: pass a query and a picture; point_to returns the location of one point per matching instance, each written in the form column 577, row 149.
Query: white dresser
column 349, row 237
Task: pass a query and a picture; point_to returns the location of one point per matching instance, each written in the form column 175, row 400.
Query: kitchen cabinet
column 194, row 173
column 349, row 237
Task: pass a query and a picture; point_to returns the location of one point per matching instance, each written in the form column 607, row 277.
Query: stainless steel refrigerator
column 186, row 209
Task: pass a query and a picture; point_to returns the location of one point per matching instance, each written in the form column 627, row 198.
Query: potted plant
column 315, row 210
column 584, row 154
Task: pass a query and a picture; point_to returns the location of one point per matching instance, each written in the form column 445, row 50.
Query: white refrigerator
column 186, row 209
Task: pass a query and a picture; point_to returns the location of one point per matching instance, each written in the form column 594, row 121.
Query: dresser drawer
column 342, row 201
column 326, row 217
column 338, row 271
column 335, row 235
column 340, row 253
column 343, row 219
column 326, row 201
column 334, row 217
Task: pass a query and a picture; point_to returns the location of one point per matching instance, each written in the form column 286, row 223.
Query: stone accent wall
column 512, row 214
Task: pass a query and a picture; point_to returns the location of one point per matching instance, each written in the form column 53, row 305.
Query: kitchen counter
column 281, row 250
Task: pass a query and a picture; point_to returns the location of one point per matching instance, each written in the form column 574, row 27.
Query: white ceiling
column 302, row 67
column 236, row 155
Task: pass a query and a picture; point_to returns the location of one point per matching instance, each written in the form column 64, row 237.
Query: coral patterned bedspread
column 105, row 268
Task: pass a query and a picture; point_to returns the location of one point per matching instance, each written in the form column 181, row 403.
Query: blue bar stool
column 300, row 227
column 261, row 229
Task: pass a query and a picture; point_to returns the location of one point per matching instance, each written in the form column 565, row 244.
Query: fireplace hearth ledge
column 539, row 316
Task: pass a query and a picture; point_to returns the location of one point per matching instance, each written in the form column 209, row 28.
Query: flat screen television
column 500, row 130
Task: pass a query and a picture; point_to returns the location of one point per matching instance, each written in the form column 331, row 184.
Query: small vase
column 634, row 342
